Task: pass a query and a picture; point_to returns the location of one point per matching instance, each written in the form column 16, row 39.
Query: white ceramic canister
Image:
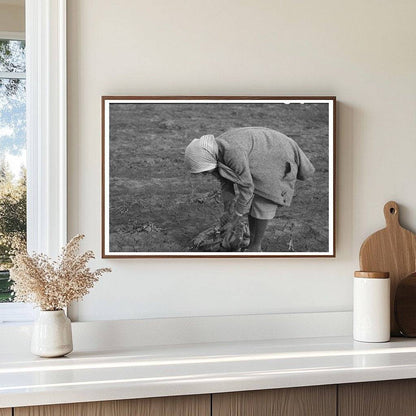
column 52, row 334
column 371, row 305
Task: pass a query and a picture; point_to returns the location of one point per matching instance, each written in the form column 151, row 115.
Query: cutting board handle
column 391, row 213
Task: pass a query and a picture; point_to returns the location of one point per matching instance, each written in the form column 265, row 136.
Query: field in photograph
column 156, row 206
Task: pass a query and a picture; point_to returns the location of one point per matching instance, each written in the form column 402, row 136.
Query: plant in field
column 53, row 285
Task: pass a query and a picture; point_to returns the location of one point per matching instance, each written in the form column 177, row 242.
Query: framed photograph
column 218, row 176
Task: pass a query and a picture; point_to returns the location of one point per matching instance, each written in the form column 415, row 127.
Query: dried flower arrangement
column 53, row 285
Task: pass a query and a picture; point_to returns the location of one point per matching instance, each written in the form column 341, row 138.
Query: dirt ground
column 156, row 206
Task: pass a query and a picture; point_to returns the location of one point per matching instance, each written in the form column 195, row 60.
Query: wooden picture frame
column 143, row 144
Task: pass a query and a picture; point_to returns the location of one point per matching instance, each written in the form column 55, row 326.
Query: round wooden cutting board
column 393, row 250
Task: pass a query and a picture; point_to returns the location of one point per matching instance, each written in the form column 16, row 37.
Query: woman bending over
column 263, row 164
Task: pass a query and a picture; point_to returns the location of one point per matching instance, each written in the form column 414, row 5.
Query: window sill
column 16, row 313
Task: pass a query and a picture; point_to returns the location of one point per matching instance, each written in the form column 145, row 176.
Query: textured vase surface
column 52, row 334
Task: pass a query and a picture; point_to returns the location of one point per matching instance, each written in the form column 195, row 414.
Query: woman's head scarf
column 202, row 154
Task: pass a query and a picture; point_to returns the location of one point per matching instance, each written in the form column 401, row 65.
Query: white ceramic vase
column 52, row 334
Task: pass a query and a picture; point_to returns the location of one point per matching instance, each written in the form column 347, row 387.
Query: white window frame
column 46, row 127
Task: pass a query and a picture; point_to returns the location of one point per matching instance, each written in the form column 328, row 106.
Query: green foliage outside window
column 12, row 223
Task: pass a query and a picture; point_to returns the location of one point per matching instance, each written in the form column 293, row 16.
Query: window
column 12, row 153
column 45, row 27
column 45, row 89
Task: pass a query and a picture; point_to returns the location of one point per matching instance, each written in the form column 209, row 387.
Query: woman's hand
column 236, row 217
column 232, row 218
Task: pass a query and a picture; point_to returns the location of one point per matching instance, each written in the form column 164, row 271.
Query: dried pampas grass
column 53, row 285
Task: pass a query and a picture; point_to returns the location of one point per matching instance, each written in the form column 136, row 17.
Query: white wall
column 361, row 51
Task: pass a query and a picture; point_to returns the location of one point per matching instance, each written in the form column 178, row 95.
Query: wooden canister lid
column 372, row 275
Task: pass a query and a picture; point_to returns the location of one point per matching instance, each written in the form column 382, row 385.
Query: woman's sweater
column 261, row 161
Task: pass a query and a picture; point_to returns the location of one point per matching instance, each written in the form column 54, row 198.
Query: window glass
column 12, row 56
column 12, row 156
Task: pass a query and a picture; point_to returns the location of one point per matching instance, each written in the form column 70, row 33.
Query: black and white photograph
column 218, row 176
